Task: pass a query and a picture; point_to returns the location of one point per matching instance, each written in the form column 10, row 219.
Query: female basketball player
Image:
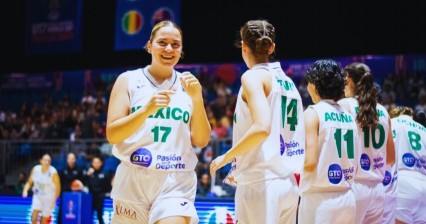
column 266, row 191
column 46, row 190
column 377, row 146
column 331, row 144
column 155, row 115
column 410, row 141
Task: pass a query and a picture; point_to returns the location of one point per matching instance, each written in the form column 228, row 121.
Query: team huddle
column 357, row 162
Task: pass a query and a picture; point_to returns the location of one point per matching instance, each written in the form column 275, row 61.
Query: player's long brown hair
column 365, row 92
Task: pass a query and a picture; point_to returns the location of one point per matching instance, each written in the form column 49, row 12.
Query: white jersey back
column 337, row 145
column 373, row 144
column 164, row 141
column 292, row 136
column 43, row 182
column 263, row 162
column 410, row 142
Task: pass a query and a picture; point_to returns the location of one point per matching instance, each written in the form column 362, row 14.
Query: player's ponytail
column 365, row 92
column 367, row 101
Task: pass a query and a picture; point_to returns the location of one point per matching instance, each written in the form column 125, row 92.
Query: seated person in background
column 70, row 173
column 99, row 183
column 204, row 186
column 22, row 179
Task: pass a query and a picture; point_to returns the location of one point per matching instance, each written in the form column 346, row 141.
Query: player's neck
column 160, row 74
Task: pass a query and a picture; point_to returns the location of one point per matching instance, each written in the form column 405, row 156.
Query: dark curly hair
column 366, row 92
column 328, row 79
column 259, row 35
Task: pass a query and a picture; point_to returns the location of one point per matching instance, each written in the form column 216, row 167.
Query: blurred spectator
column 3, row 187
column 421, row 105
column 420, row 117
column 217, row 106
column 204, row 186
column 70, row 173
column 22, row 179
column 100, row 85
column 76, row 133
column 92, row 151
column 2, row 116
column 220, row 130
column 87, row 98
column 99, row 183
column 87, row 124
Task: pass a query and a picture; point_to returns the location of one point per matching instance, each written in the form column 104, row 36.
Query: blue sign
column 53, row 26
column 136, row 18
column 76, row 208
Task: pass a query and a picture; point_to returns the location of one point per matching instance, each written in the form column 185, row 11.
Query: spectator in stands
column 46, row 190
column 22, row 179
column 421, row 105
column 87, row 98
column 2, row 184
column 92, row 151
column 99, row 183
column 204, row 185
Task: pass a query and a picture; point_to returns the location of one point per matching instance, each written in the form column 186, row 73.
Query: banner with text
column 53, row 26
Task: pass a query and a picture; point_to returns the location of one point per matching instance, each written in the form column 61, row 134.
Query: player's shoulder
column 53, row 169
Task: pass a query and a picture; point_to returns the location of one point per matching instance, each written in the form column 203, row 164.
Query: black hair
column 328, row 79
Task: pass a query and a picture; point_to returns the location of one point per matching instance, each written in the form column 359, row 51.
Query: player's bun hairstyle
column 365, row 92
column 328, row 79
column 259, row 35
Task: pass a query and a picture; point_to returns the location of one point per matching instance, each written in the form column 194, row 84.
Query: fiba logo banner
column 387, row 179
column 70, row 214
column 282, row 145
column 220, row 215
column 141, row 157
column 365, row 162
column 408, row 159
column 335, row 173
column 132, row 22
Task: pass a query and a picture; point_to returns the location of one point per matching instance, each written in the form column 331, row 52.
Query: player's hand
column 191, row 85
column 217, row 163
column 24, row 194
column 160, row 99
column 90, row 171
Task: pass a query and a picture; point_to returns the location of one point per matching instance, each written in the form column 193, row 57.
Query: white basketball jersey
column 43, row 182
column 410, row 141
column 292, row 122
column 337, row 146
column 263, row 162
column 372, row 160
column 163, row 141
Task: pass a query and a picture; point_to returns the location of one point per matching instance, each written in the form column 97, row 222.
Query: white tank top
column 372, row 160
column 263, row 162
column 163, row 142
column 410, row 141
column 337, row 145
column 43, row 182
column 292, row 121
